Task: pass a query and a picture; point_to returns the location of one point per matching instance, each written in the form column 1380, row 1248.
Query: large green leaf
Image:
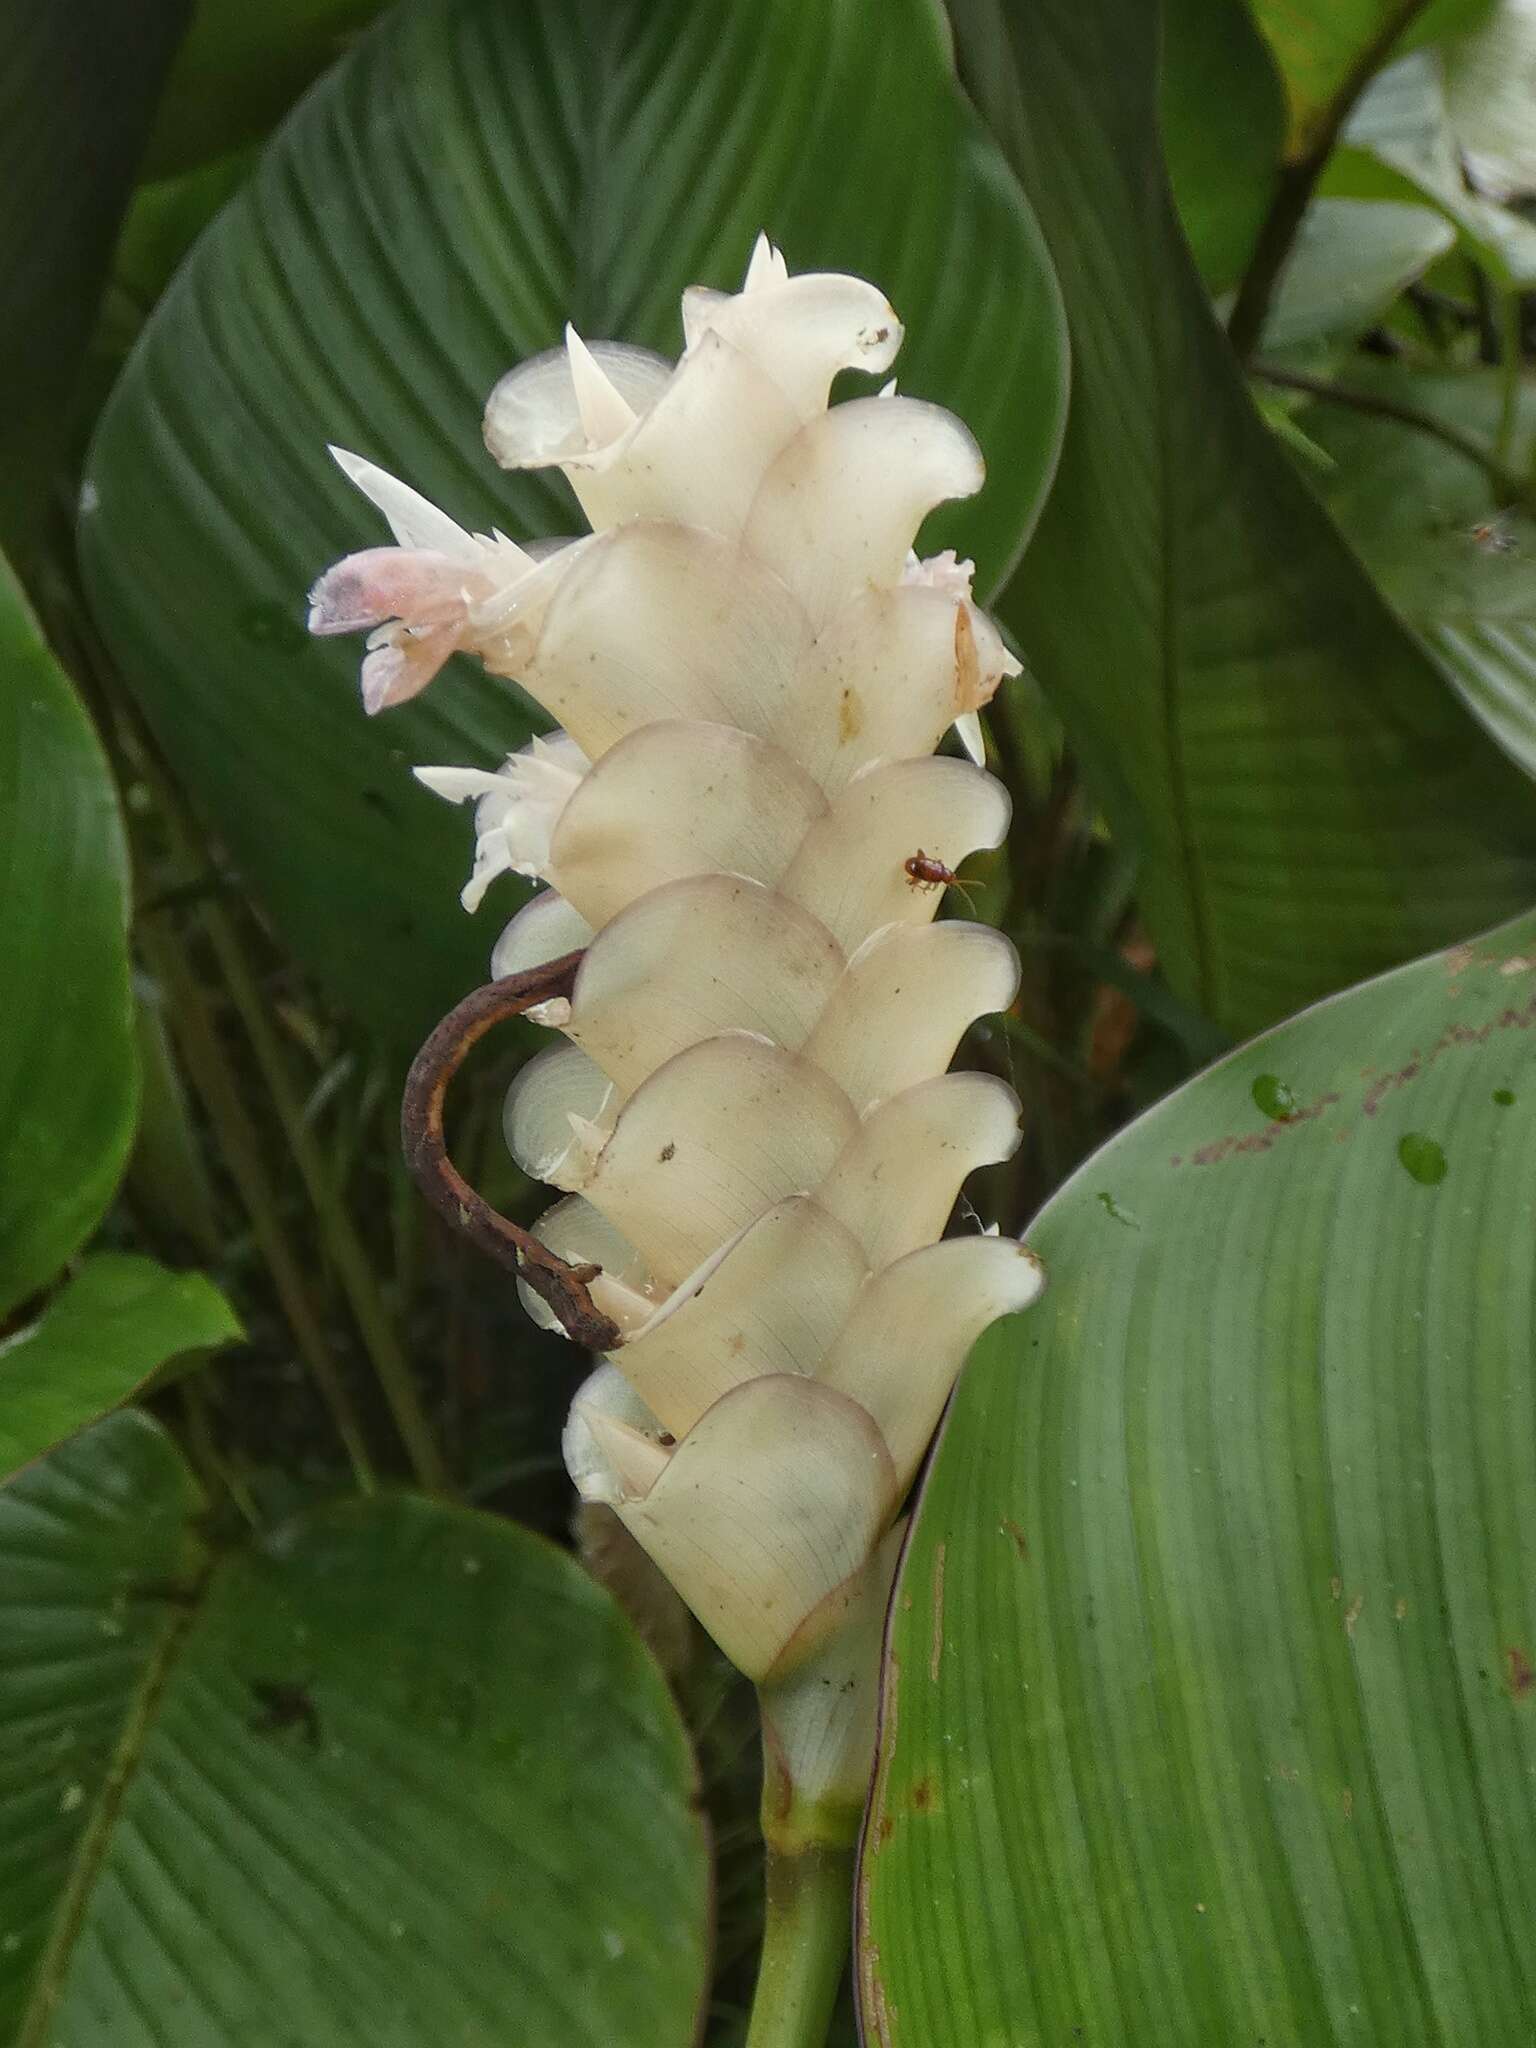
column 1222, row 110
column 66, row 1027
column 1490, row 80
column 1308, row 800
column 1461, row 572
column 1211, row 1716
column 396, row 1776
column 1348, row 263
column 1328, row 50
column 111, row 1328
column 77, row 92
column 467, row 178
column 1398, row 144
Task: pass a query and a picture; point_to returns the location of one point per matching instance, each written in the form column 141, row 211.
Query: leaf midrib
column 91, row 1850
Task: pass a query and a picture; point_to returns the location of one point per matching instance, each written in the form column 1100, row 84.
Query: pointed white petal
column 710, row 1141
column 968, row 731
column 912, row 1327
column 908, row 995
column 700, row 454
column 611, row 1458
column 459, row 785
column 542, row 931
column 533, row 417
column 771, row 1301
column 840, row 507
column 605, row 413
column 896, row 1183
column 553, row 1087
column 765, row 1516
column 680, row 798
column 850, row 869
column 414, row 520
column 583, row 1236
column 765, row 266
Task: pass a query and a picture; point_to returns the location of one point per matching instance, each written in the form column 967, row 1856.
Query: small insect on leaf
column 1493, row 536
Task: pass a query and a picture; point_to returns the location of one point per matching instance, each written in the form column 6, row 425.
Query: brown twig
column 562, row 1286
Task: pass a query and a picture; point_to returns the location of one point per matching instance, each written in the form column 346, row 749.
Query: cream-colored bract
column 748, row 1111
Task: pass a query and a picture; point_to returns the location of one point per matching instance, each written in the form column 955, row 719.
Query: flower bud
column 743, row 823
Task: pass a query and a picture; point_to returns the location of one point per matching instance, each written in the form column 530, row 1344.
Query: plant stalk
column 806, row 1934
column 208, row 1070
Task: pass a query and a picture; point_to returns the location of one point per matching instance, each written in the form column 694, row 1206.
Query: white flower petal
column 583, row 1236
column 543, row 930
column 800, row 330
column 770, row 1301
column 414, row 520
column 896, row 1183
column 604, row 412
column 709, row 954
column 912, row 1327
column 841, row 505
column 549, row 1090
column 611, row 1443
column 710, row 1141
column 850, row 868
column 908, row 995
column 765, row 1516
column 680, row 798
column 533, row 417
column 663, row 622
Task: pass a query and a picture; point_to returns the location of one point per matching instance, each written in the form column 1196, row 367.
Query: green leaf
column 1328, row 50
column 1348, row 263
column 1308, row 801
column 1211, row 1712
column 1222, row 110
column 240, row 68
column 67, row 1081
column 1461, row 572
column 1398, row 145
column 472, row 174
column 1490, row 79
column 76, row 96
column 394, row 1776
column 111, row 1328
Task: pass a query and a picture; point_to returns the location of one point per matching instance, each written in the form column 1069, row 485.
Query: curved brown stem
column 562, row 1286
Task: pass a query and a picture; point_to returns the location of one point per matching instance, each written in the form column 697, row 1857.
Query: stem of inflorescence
column 807, row 1924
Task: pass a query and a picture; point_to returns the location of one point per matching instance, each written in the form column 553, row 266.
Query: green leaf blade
column 68, row 1081
column 1308, row 801
column 113, row 1326
column 464, row 181
column 398, row 1774
column 1213, row 1646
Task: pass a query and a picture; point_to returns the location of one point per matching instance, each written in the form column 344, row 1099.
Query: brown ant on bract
column 926, row 871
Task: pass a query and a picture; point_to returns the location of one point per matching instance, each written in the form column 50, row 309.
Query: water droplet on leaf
column 1422, row 1157
column 1273, row 1099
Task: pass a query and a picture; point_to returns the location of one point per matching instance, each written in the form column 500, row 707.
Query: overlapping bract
column 750, row 1112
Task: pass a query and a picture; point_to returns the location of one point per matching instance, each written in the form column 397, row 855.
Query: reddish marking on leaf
column 1521, row 1676
column 922, row 1796
column 1008, row 1527
column 885, row 1830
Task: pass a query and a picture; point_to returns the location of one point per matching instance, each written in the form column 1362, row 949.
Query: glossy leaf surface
column 110, row 1328
column 1309, row 802
column 1211, row 1714
column 397, row 1773
column 469, row 177
column 66, row 1029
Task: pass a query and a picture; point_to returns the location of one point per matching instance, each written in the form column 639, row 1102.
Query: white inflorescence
column 749, row 1113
